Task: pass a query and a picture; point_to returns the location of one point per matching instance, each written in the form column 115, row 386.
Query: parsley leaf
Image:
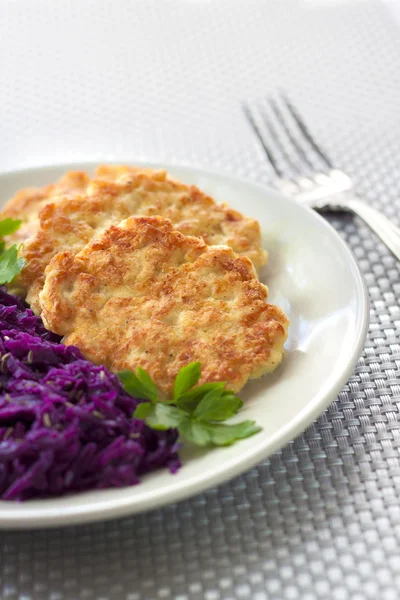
column 187, row 377
column 143, row 410
column 147, row 383
column 217, row 405
column 225, row 435
column 9, row 226
column 189, row 400
column 135, row 387
column 194, row 432
column 159, row 415
column 202, row 433
column 10, row 264
column 197, row 412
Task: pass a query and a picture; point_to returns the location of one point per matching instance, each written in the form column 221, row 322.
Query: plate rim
column 72, row 515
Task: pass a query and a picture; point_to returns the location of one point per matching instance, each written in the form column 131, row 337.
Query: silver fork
column 300, row 168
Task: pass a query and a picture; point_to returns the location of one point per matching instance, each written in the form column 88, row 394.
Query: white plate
column 313, row 276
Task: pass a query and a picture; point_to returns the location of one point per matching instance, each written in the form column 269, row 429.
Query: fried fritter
column 144, row 294
column 28, row 202
column 67, row 224
column 70, row 223
column 191, row 211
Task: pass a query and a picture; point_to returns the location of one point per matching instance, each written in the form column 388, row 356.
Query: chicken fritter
column 67, row 224
column 191, row 211
column 70, row 223
column 28, row 202
column 143, row 294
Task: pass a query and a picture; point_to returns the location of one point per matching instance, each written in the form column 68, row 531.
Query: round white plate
column 313, row 276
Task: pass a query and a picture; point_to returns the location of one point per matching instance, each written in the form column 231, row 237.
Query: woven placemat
column 163, row 80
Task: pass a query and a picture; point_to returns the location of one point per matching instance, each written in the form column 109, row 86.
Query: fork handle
column 385, row 229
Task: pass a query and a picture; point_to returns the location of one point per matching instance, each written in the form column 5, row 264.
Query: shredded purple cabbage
column 65, row 424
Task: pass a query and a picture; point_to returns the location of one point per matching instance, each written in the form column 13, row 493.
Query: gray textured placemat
column 163, row 80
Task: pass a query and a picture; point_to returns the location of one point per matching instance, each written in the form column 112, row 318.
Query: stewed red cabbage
column 66, row 425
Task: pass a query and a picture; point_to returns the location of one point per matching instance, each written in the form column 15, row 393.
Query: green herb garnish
column 197, row 412
column 9, row 226
column 10, row 263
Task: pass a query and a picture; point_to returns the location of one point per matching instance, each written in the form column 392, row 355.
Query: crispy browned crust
column 143, row 294
column 122, row 173
column 191, row 211
column 28, row 202
column 70, row 223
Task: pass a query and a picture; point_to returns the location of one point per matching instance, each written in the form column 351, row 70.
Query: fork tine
column 283, row 121
column 277, row 138
column 305, row 131
column 249, row 115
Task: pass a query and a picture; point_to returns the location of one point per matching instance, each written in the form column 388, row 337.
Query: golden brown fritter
column 27, row 203
column 70, row 223
column 143, row 294
column 191, row 211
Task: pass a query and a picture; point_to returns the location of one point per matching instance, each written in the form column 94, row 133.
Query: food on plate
column 65, row 424
column 143, row 294
column 190, row 210
column 154, row 288
column 28, row 202
column 196, row 411
column 69, row 223
column 10, row 261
